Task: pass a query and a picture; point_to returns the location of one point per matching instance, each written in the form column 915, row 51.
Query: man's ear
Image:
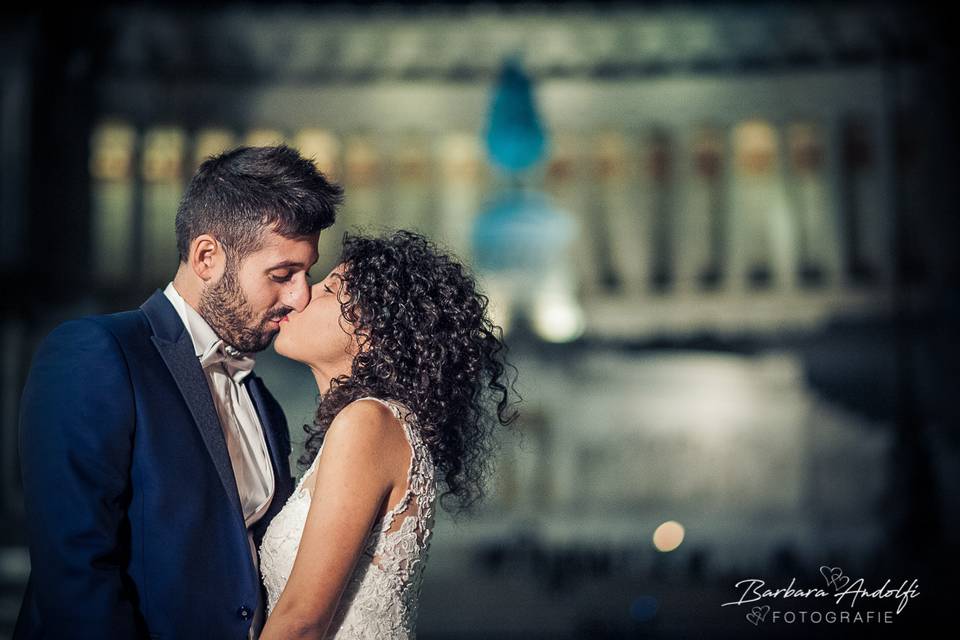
column 207, row 258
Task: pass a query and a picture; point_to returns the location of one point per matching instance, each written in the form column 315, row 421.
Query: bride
column 411, row 378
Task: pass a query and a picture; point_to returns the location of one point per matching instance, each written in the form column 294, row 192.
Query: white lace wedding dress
column 381, row 597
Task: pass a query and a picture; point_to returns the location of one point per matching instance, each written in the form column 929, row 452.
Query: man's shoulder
column 130, row 320
column 121, row 326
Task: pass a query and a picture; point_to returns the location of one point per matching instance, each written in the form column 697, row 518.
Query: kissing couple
column 158, row 492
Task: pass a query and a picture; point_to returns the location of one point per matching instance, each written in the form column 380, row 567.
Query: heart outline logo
column 758, row 614
column 834, row 577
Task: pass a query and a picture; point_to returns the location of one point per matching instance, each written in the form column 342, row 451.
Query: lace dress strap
column 313, row 465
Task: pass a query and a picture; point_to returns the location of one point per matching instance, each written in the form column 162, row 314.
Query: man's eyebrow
column 286, row 264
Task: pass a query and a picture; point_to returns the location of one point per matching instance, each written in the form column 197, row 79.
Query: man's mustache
column 279, row 314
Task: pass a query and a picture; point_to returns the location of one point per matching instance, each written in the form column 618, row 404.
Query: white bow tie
column 238, row 365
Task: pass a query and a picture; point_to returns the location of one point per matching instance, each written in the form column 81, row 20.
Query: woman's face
column 319, row 335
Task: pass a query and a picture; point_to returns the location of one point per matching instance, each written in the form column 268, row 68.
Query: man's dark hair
column 237, row 195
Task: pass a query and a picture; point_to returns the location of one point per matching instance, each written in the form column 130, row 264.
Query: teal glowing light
column 521, row 229
column 516, row 138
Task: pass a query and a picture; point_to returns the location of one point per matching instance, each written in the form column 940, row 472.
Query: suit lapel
column 176, row 348
column 256, row 391
column 282, row 481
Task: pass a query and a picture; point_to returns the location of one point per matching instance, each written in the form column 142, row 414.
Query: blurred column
column 206, row 142
column 762, row 252
column 412, row 185
column 324, row 149
column 210, row 142
column 918, row 238
column 524, row 482
column 363, row 185
column 834, row 184
column 568, row 183
column 620, row 235
column 880, row 239
column 462, row 178
column 701, row 241
column 163, row 176
column 815, row 214
column 112, row 153
column 14, row 359
column 867, row 227
column 15, row 116
column 659, row 169
column 264, row 137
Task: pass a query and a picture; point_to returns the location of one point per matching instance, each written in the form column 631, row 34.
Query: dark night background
column 751, row 331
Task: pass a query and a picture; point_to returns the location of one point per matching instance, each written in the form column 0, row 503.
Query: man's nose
column 299, row 296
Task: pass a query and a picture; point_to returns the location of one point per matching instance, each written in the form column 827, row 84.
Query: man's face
column 245, row 305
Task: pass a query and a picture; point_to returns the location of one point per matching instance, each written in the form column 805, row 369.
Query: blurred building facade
column 761, row 200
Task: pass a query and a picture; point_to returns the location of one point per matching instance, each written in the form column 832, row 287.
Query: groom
column 153, row 457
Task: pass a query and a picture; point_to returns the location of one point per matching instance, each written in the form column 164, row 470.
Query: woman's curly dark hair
column 426, row 341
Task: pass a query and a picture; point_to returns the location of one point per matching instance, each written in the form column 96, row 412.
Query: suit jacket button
column 244, row 612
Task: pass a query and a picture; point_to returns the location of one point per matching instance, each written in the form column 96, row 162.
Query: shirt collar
column 201, row 333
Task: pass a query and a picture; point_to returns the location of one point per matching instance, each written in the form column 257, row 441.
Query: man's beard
column 228, row 313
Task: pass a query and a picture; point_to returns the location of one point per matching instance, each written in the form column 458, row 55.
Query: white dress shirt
column 241, row 427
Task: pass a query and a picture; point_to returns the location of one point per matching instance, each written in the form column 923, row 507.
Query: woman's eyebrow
column 335, row 280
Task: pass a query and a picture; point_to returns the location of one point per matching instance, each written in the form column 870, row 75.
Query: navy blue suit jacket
column 132, row 509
